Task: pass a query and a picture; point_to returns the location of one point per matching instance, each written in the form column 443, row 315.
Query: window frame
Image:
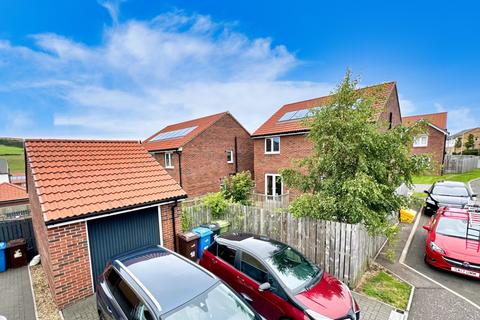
column 232, row 159
column 240, row 262
column 418, row 144
column 271, row 145
column 274, row 175
column 170, row 156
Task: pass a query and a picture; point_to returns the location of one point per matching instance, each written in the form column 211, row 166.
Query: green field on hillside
column 14, row 156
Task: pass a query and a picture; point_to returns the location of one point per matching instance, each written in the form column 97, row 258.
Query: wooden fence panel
column 341, row 249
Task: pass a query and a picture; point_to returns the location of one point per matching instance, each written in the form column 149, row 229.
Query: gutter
column 179, row 153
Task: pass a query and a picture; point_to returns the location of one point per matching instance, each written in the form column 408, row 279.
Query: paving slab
column 16, row 302
column 82, row 310
column 371, row 309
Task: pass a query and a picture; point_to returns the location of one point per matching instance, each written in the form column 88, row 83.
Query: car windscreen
column 450, row 191
column 219, row 303
column 455, row 228
column 293, row 269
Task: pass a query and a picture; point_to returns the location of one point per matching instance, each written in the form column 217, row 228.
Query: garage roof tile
column 79, row 177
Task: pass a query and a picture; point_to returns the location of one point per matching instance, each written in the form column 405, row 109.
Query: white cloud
column 407, row 107
column 459, row 118
column 146, row 74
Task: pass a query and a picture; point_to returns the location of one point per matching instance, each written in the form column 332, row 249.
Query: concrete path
column 83, row 310
column 16, row 301
column 430, row 300
column 371, row 309
column 421, row 187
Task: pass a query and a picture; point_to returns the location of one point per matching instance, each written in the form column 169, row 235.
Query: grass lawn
column 14, row 157
column 385, row 287
column 462, row 177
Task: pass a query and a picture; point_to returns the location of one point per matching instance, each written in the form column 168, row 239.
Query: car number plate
column 467, row 272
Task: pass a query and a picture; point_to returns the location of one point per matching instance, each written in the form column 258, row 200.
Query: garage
column 117, row 234
column 92, row 200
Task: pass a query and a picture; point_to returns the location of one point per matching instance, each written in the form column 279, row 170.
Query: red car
column 453, row 241
column 278, row 281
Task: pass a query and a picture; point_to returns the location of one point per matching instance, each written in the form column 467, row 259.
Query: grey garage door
column 117, row 234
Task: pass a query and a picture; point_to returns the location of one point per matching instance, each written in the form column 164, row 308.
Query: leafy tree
column 238, row 187
column 356, row 163
column 470, row 143
column 217, row 203
column 458, row 143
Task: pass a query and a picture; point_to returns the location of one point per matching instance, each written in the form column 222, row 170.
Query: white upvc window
column 421, row 141
column 229, row 156
column 169, row 160
column 272, row 145
column 273, row 184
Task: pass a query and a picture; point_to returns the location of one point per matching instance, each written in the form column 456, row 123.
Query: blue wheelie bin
column 205, row 239
column 3, row 260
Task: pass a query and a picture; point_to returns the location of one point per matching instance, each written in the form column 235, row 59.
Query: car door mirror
column 427, row 227
column 426, row 191
column 474, row 195
column 264, row 286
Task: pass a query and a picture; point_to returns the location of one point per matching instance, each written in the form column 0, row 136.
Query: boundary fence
column 341, row 249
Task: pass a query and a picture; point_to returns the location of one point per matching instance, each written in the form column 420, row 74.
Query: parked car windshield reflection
column 294, row 270
column 217, row 304
column 450, row 191
column 455, row 228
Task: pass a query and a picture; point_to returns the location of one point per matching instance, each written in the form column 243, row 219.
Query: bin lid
column 222, row 223
column 16, row 242
column 212, row 226
column 188, row 236
column 202, row 232
column 3, row 245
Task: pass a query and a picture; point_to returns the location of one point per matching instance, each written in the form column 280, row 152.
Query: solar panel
column 295, row 115
column 174, row 134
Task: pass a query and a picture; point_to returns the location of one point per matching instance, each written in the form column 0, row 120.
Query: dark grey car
column 450, row 194
column 155, row 283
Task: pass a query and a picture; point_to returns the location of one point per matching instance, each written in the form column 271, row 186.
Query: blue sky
column 123, row 69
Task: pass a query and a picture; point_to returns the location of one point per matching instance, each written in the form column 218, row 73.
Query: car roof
column 261, row 246
column 164, row 276
column 450, row 184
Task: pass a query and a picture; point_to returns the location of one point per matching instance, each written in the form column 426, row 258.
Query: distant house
column 4, row 172
column 463, row 137
column 18, row 179
column 432, row 142
column 92, row 200
column 200, row 153
column 282, row 138
column 12, row 198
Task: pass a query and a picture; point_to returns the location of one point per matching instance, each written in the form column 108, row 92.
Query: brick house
column 433, row 142
column 463, row 136
column 282, row 138
column 199, row 153
column 91, row 200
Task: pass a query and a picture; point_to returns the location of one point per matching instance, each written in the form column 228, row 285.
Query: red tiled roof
column 201, row 125
column 11, row 192
column 382, row 92
column 78, row 177
column 437, row 119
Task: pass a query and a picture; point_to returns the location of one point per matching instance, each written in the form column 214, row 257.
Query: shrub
column 238, row 187
column 217, row 203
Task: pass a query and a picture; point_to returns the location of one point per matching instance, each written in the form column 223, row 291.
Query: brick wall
column 70, row 263
column 173, row 172
column 39, row 228
column 293, row 147
column 167, row 224
column 204, row 159
column 435, row 147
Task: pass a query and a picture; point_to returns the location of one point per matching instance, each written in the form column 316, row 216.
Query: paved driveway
column 467, row 287
column 16, row 301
